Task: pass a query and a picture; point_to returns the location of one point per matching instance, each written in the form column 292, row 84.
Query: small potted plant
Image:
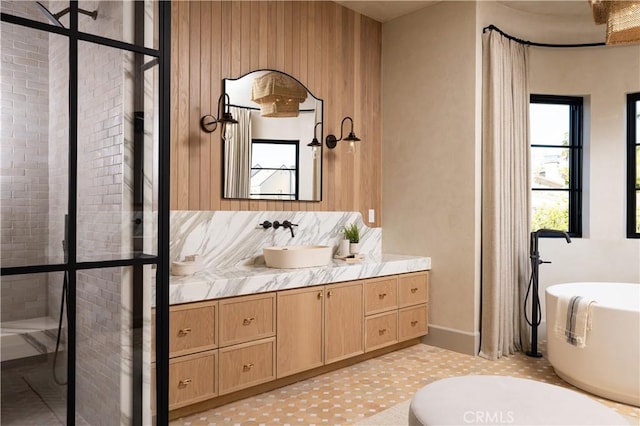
column 352, row 233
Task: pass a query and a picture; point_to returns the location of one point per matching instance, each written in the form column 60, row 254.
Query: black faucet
column 534, row 255
column 285, row 224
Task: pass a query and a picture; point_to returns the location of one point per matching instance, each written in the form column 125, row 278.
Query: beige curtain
column 505, row 194
column 237, row 153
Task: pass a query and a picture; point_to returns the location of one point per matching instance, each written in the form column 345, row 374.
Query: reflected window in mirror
column 274, row 169
column 302, row 169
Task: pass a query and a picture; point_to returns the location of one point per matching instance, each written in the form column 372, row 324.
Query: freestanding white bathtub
column 609, row 364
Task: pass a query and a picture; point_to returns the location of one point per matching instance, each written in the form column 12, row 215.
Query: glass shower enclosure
column 84, row 212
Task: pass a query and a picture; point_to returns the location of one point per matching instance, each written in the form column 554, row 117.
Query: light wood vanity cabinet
column 247, row 364
column 318, row 326
column 193, row 358
column 299, row 330
column 223, row 346
column 343, row 321
column 247, row 318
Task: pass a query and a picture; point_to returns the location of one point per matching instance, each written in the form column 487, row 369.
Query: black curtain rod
column 532, row 43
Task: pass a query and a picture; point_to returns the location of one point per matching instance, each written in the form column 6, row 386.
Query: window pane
column 128, row 21
column 33, row 368
column 550, row 167
column 273, row 156
column 31, row 10
column 35, row 144
column 549, row 124
column 638, row 212
column 274, row 184
column 117, row 153
column 638, row 167
column 550, row 210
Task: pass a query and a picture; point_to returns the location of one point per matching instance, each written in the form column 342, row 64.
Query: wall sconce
column 331, row 141
column 209, row 123
column 315, row 143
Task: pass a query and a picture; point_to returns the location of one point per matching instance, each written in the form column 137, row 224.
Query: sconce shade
column 352, row 137
column 314, row 143
column 279, row 95
column 332, row 141
column 209, row 123
column 622, row 18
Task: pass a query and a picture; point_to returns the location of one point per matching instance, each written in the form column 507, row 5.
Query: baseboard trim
column 453, row 340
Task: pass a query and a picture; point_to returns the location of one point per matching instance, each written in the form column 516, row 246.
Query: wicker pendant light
column 622, row 18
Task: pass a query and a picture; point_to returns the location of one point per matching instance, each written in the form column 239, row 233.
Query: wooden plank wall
column 336, row 52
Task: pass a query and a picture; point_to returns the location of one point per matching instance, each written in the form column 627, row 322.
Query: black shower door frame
column 138, row 259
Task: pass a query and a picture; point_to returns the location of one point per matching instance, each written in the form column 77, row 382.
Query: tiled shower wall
column 25, row 190
column 100, row 213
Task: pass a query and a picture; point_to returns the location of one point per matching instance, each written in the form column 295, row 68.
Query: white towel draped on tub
column 573, row 319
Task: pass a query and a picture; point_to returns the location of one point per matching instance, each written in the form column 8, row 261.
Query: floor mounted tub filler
column 609, row 364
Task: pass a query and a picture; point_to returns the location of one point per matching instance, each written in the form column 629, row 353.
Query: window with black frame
column 633, row 165
column 274, row 169
column 556, row 163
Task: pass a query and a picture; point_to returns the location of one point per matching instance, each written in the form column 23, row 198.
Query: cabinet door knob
column 184, row 383
column 248, row 321
column 382, row 295
column 247, row 367
column 330, row 293
column 414, row 323
column 320, row 295
column 413, row 290
column 184, row 331
column 382, row 331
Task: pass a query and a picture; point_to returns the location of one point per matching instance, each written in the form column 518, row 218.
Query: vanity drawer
column 413, row 289
column 247, row 364
column 192, row 378
column 412, row 322
column 247, row 318
column 381, row 330
column 380, row 295
column 192, row 328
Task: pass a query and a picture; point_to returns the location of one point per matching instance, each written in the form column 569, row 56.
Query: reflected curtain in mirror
column 237, row 152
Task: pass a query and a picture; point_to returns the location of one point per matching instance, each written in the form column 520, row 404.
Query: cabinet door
column 247, row 318
column 344, row 321
column 192, row 328
column 247, row 364
column 413, row 289
column 381, row 330
column 380, row 295
column 299, row 330
column 192, row 378
column 412, row 322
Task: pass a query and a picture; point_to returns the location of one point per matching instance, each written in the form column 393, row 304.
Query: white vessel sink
column 292, row 257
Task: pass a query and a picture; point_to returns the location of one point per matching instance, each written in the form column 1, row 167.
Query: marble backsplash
column 231, row 239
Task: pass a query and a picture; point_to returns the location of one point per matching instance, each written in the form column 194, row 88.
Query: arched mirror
column 267, row 154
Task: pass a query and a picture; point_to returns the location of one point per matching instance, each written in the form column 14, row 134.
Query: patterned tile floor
column 351, row 394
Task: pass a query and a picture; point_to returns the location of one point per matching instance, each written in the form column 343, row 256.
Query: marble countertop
column 214, row 283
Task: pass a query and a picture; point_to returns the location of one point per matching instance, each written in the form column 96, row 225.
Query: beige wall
column 431, row 149
column 429, row 166
column 603, row 75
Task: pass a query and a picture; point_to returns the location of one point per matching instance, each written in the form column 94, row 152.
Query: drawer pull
column 382, row 331
column 184, row 383
column 330, row 293
column 247, row 367
column 320, row 295
column 413, row 290
column 382, row 295
column 248, row 321
column 414, row 323
column 184, row 331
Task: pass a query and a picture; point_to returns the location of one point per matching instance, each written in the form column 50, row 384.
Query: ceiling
column 384, row 11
